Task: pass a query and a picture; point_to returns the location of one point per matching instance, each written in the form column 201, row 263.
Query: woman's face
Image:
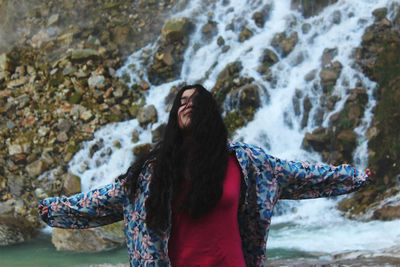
column 185, row 108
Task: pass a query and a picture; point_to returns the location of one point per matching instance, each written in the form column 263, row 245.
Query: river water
column 308, row 228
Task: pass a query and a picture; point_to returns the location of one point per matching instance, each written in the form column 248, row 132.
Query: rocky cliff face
column 379, row 56
column 57, row 86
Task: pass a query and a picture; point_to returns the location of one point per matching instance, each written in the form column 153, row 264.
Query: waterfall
column 309, row 225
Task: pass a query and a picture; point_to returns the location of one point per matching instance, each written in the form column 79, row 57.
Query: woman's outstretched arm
column 300, row 180
column 97, row 207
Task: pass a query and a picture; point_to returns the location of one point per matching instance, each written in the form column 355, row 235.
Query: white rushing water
column 310, row 225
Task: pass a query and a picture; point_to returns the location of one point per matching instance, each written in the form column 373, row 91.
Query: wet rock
column 380, row 13
column 62, row 137
column 269, row 58
column 96, row 147
column 36, row 168
column 7, row 208
column 307, row 105
column 84, row 54
column 64, row 125
column 147, row 115
column 94, row 239
column 53, row 19
column 260, row 17
column 347, row 140
column 387, row 213
column 167, row 61
column 175, row 29
column 15, row 149
column 246, row 98
column 86, row 115
column 310, row 76
column 243, row 102
column 225, row 82
column 336, row 17
column 135, row 136
column 5, row 63
column 141, row 150
column 318, row 139
column 40, row 38
column 329, row 76
column 96, row 81
column 220, row 41
column 158, row 133
column 120, row 34
column 209, row 30
column 71, row 184
column 283, row 43
column 245, row 34
column 328, row 55
column 16, row 185
column 310, row 8
column 305, row 28
column 15, row 230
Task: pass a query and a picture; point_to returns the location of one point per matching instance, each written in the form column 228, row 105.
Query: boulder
column 209, row 30
column 328, row 55
column 329, row 76
column 243, row 102
column 387, row 213
column 147, row 115
column 36, row 168
column 175, row 29
column 71, row 184
column 269, row 58
column 283, row 43
column 245, row 34
column 245, row 97
column 309, row 8
column 141, row 150
column 93, row 239
column 380, row 13
column 260, row 17
column 318, row 139
column 15, row 230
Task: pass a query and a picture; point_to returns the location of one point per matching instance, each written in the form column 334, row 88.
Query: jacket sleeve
column 98, row 207
column 301, row 180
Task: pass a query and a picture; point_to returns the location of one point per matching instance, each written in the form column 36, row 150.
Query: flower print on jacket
column 271, row 178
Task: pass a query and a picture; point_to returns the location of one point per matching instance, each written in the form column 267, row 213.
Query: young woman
column 197, row 200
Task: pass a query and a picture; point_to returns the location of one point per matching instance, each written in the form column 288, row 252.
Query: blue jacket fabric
column 265, row 179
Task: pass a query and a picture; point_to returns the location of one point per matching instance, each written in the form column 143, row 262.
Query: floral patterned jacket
column 265, row 180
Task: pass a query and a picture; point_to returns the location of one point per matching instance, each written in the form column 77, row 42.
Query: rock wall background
column 57, row 87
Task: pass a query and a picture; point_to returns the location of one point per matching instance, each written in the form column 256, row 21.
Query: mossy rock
column 84, row 54
column 233, row 121
column 141, row 150
column 175, row 29
column 75, row 98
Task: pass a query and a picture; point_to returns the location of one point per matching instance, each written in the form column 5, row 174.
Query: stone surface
column 36, row 168
column 93, row 239
column 175, row 29
column 15, row 230
column 71, row 184
column 147, row 115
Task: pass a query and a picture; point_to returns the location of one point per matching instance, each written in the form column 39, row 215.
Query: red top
column 213, row 239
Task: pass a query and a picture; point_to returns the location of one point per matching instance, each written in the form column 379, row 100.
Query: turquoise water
column 40, row 252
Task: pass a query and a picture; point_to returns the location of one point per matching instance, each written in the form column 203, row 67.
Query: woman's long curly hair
column 196, row 156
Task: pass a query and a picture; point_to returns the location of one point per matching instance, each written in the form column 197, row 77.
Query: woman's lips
column 188, row 112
